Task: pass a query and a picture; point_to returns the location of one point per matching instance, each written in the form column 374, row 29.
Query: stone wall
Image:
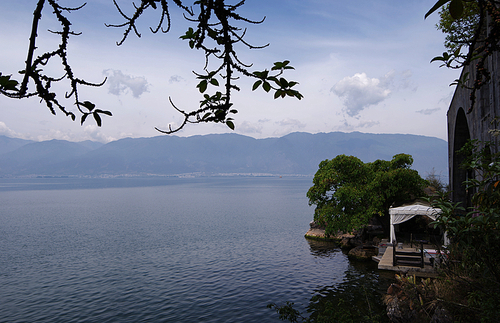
column 474, row 125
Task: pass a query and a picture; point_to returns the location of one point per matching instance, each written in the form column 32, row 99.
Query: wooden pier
column 386, row 263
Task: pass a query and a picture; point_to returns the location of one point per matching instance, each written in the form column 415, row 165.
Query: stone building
column 463, row 126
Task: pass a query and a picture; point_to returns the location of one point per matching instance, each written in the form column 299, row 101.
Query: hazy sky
column 362, row 66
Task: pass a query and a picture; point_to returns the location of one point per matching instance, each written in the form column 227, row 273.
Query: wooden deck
column 385, row 263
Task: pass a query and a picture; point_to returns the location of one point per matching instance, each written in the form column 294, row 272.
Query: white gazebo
column 404, row 213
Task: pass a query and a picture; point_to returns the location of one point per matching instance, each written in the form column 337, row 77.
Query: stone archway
column 459, row 175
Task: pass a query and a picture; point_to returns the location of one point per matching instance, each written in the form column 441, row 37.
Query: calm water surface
column 161, row 250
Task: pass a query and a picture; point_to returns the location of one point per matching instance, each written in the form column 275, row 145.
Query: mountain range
column 294, row 154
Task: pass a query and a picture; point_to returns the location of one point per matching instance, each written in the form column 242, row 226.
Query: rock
column 396, row 314
column 314, row 225
column 441, row 316
column 363, row 252
column 315, row 233
column 345, row 243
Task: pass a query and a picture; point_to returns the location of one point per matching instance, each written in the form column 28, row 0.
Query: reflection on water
column 192, row 250
column 322, row 248
column 358, row 298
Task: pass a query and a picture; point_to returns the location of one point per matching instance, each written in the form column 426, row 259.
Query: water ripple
column 189, row 252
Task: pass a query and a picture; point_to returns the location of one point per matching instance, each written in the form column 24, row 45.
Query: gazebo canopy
column 404, row 213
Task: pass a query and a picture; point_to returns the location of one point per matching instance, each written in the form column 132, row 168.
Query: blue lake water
column 161, row 250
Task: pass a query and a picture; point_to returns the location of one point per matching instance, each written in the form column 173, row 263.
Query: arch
column 459, row 175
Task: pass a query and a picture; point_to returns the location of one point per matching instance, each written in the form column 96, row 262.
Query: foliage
column 473, row 28
column 459, row 32
column 348, row 193
column 435, row 182
column 357, row 299
column 474, row 257
column 215, row 33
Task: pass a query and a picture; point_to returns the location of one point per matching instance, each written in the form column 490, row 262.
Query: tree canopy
column 473, row 35
column 213, row 28
column 216, row 27
column 348, row 193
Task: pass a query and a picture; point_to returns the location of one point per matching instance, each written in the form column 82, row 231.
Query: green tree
column 471, row 267
column 214, row 30
column 473, row 35
column 349, row 193
column 460, row 31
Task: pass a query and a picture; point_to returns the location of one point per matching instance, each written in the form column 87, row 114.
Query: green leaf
column 262, row 75
column 456, row 9
column 438, row 58
column 436, row 6
column 266, row 86
column 277, row 66
column 189, row 34
column 83, row 118
column 97, row 118
column 202, row 86
column 214, row 82
column 256, row 85
column 87, row 104
column 108, row 113
column 230, row 124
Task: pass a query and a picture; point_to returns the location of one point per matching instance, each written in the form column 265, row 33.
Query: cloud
column 56, row 134
column 120, row 83
column 406, row 81
column 292, row 123
column 346, row 126
column 287, row 126
column 92, row 132
column 368, row 124
column 6, row 131
column 247, row 128
column 175, row 79
column 428, row 111
column 360, row 91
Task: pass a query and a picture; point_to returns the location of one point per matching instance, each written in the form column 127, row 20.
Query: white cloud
column 287, row 126
column 6, row 131
column 428, row 111
column 120, row 83
column 360, row 91
column 346, row 126
column 175, row 79
column 92, row 132
column 246, row 128
column 293, row 123
column 55, row 134
column 368, row 124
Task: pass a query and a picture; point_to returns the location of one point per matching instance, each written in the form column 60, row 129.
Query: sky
column 362, row 65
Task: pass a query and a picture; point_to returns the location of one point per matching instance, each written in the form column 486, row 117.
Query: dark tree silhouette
column 473, row 26
column 214, row 32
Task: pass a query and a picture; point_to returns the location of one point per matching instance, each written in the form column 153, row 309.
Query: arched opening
column 460, row 175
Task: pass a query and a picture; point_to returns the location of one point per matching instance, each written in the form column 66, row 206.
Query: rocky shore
column 363, row 244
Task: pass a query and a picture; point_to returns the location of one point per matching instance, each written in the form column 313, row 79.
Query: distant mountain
column 41, row 157
column 10, row 144
column 296, row 153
